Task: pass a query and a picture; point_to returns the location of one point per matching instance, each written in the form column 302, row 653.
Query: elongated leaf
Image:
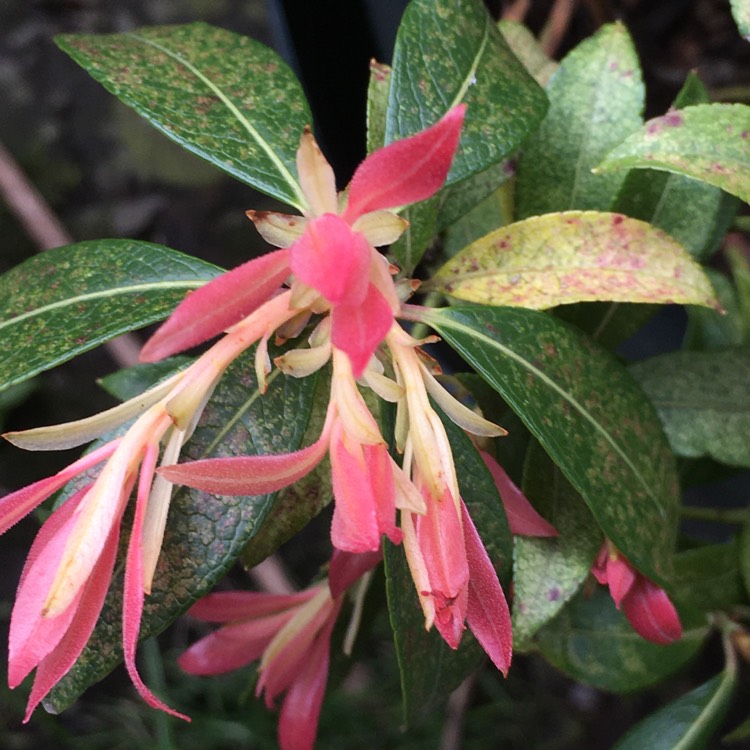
column 377, row 104
column 660, row 197
column 741, row 13
column 703, row 400
column 449, row 51
column 589, row 416
column 710, row 142
column 710, row 329
column 687, row 723
column 429, row 668
column 592, row 642
column 528, row 50
column 574, row 256
column 205, row 533
column 66, row 301
column 596, row 99
column 223, row 96
column 708, row 578
column 548, row 572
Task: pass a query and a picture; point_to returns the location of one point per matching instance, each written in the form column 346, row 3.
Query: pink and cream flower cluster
column 326, row 279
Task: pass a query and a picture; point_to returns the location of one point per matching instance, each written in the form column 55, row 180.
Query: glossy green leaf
column 588, row 414
column 687, row 723
column 703, row 400
column 708, row 578
column 592, row 642
column 408, row 250
column 741, row 13
column 710, row 329
column 548, row 571
column 596, row 99
column 744, row 555
column 447, row 52
column 574, row 256
column 294, row 507
column 205, row 533
column 528, row 50
column 660, row 197
column 429, row 669
column 222, row 96
column 709, row 142
column 66, row 301
column 377, row 104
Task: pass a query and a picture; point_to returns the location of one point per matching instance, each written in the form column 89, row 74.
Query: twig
column 458, row 703
column 517, row 10
column 47, row 231
column 271, row 576
column 557, row 25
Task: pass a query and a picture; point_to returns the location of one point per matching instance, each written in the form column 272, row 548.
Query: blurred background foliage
column 106, row 173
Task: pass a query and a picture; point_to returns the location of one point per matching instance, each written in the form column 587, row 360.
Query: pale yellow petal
column 72, row 434
column 279, row 230
column 299, row 363
column 408, row 497
column 316, row 177
column 386, row 388
column 380, row 227
column 463, row 416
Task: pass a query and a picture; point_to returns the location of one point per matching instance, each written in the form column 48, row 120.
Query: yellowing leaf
column 575, row 256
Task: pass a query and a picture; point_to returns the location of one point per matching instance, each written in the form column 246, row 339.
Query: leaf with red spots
column 575, row 256
column 710, row 142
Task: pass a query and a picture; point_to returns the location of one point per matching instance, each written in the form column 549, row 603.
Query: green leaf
column 710, row 329
column 528, row 50
column 588, row 414
column 408, row 250
column 687, row 723
column 574, row 256
column 703, row 400
column 447, row 52
column 222, row 96
column 205, row 533
column 741, row 13
column 548, row 571
column 660, row 198
column 429, row 669
column 592, row 642
column 744, row 554
column 596, row 99
column 377, row 104
column 708, row 578
column 131, row 382
column 66, row 301
column 709, row 142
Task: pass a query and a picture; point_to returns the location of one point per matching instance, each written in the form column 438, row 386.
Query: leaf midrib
column 492, row 343
column 102, row 293
column 285, row 174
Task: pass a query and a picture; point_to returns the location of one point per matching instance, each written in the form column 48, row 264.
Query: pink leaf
column 406, row 171
column 354, row 527
column 218, row 305
column 32, row 635
column 298, row 723
column 247, row 475
column 333, row 259
column 132, row 606
column 487, row 611
column 358, row 330
column 228, row 606
column 346, row 568
column 233, row 646
column 522, row 518
column 16, row 505
column 620, row 577
column 651, row 613
column 441, row 541
column 58, row 662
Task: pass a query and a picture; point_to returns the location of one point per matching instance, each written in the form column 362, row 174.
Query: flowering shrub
column 321, row 374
